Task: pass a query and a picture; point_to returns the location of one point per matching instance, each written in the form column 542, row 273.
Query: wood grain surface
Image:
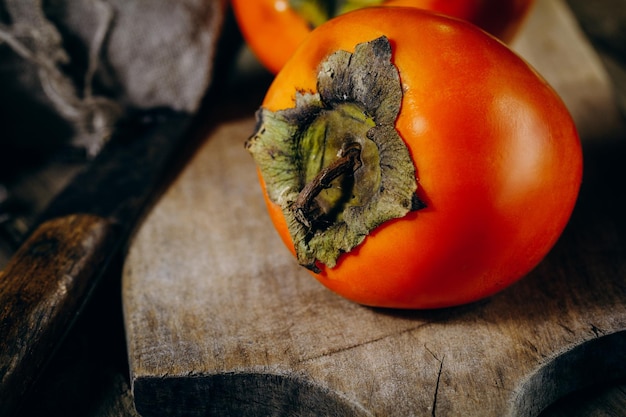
column 41, row 291
column 220, row 320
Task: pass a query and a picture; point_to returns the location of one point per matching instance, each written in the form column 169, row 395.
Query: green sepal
column 358, row 100
column 316, row 12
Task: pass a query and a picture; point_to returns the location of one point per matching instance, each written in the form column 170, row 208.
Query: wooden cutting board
column 220, row 319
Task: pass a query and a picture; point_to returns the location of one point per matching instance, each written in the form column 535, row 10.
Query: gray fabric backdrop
column 70, row 68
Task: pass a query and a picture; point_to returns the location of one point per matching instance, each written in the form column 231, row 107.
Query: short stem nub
column 305, row 208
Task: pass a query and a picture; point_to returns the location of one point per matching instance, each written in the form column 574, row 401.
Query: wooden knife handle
column 42, row 288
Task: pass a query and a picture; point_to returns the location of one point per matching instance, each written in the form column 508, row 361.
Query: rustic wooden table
column 89, row 375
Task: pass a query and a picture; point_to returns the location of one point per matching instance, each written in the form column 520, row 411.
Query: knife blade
column 49, row 279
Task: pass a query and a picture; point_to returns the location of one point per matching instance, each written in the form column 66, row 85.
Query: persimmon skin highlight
column 274, row 30
column 497, row 155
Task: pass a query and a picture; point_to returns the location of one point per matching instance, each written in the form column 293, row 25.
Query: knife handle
column 42, row 288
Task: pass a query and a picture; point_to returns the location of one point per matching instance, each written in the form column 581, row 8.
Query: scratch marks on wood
column 363, row 343
column 597, row 331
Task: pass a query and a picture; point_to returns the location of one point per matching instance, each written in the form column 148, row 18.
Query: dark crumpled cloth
column 69, row 69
